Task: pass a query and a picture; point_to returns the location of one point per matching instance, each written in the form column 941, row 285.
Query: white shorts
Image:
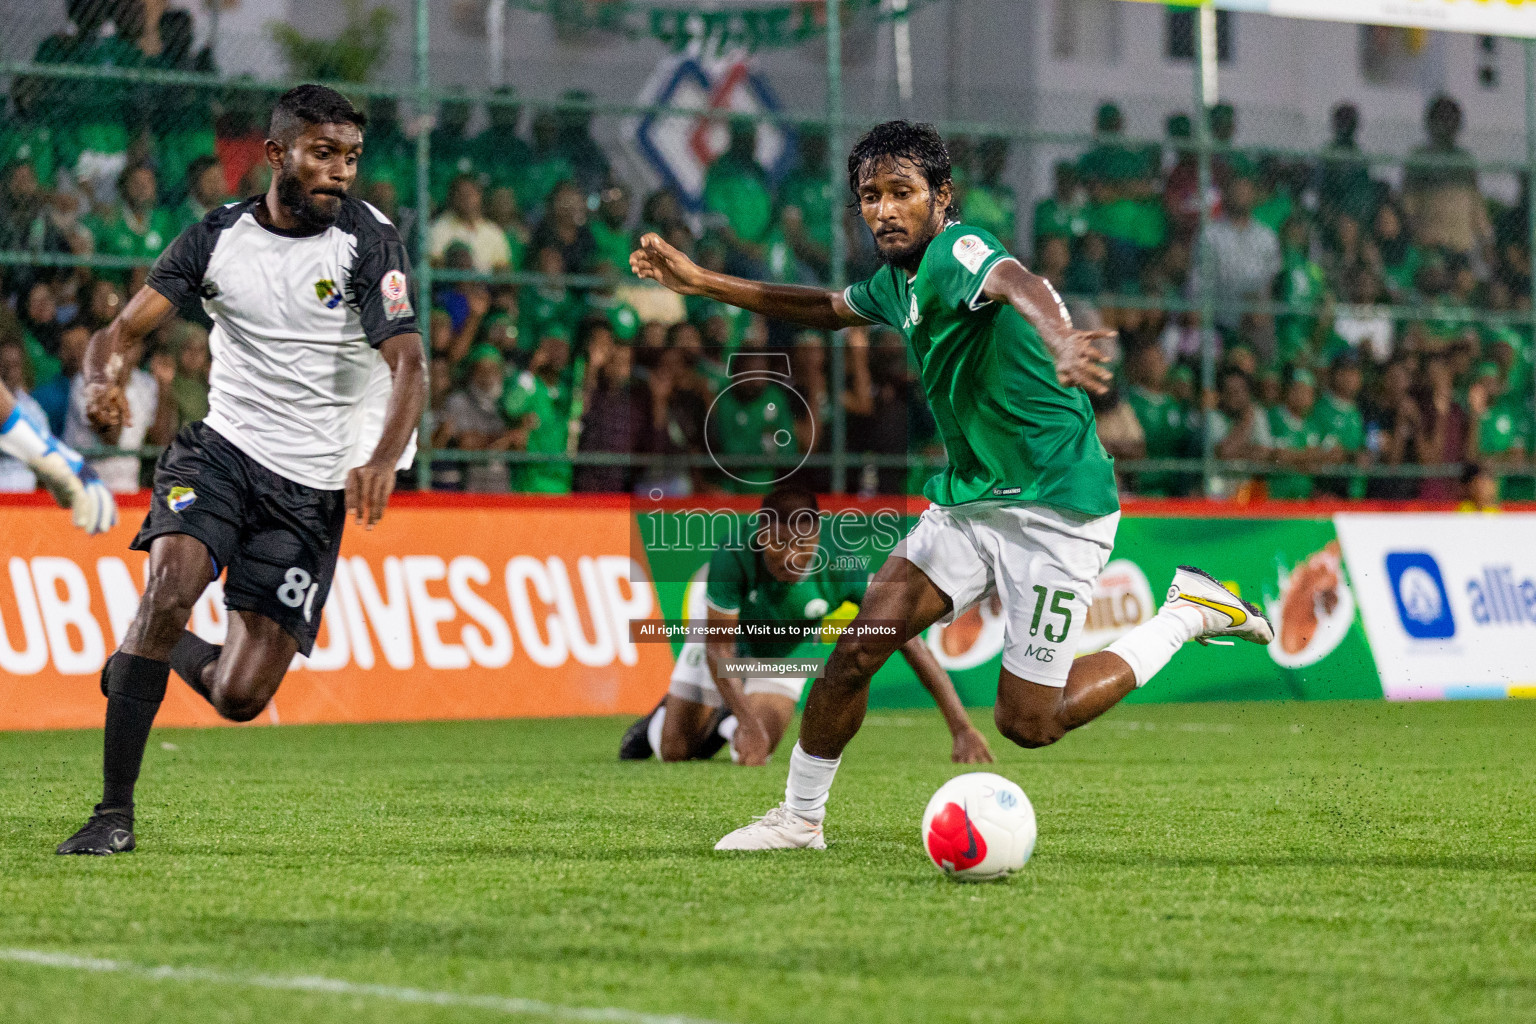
column 692, row 680
column 1042, row 561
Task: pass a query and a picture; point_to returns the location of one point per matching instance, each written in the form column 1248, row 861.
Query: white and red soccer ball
column 979, row 827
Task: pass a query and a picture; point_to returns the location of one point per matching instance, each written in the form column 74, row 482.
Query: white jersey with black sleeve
column 297, row 322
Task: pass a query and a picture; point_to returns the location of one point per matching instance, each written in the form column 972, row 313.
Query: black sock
column 135, row 688
column 190, row 657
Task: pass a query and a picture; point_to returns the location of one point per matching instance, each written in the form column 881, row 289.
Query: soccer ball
column 979, row 827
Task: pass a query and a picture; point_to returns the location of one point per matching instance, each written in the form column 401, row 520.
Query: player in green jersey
column 1027, row 503
column 791, row 572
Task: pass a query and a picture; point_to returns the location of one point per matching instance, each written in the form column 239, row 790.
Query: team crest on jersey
column 180, row 498
column 971, row 252
column 396, row 293
column 326, row 292
column 913, row 316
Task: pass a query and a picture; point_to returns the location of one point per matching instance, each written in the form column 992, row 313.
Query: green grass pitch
column 1350, row 862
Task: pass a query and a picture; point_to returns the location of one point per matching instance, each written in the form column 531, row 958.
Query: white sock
column 653, row 731
column 727, row 728
column 810, row 780
column 1149, row 646
column 21, row 440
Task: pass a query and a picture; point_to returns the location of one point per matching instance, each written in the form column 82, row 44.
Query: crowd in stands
column 1321, row 369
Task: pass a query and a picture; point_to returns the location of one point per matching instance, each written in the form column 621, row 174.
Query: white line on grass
column 336, row 986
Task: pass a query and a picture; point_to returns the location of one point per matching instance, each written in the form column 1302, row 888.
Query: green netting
column 114, row 139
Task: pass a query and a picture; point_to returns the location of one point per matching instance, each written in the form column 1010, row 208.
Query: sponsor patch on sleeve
column 971, row 252
column 396, row 293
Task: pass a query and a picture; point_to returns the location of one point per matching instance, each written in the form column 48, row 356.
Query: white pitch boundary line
column 338, row 987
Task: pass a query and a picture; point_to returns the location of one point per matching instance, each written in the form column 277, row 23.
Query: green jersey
column 1503, row 427
column 740, row 583
column 549, row 405
column 1058, row 219
column 1010, row 430
column 754, row 424
column 29, row 143
column 739, row 193
column 1291, row 434
column 121, row 236
column 613, row 244
column 992, row 207
column 1163, row 422
column 1338, row 423
column 810, row 193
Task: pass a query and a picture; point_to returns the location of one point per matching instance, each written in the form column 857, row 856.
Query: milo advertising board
column 1291, row 568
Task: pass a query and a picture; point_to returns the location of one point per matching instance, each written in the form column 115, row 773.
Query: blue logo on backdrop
column 1422, row 604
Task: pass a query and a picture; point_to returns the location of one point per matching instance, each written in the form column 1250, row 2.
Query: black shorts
column 278, row 539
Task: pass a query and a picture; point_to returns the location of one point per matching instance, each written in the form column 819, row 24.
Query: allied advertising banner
column 1449, row 601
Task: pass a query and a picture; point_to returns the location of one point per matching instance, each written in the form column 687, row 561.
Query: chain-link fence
column 1313, row 297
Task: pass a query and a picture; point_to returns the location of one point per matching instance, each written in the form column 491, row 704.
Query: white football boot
column 779, row 829
column 1224, row 613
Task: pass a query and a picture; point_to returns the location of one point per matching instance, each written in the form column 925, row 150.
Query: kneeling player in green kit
column 1027, row 503
column 791, row 572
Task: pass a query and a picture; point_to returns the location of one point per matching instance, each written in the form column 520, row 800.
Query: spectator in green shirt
column 499, row 151
column 453, row 152
column 1500, row 425
column 1064, row 213
column 610, row 228
column 391, row 153
column 1111, row 161
column 1296, row 439
column 502, row 210
column 1343, row 179
column 736, row 193
column 806, row 203
column 1338, row 422
column 26, row 138
column 539, row 399
column 205, row 190
column 1163, row 420
column 1393, row 251
column 988, row 202
column 136, row 227
column 549, row 167
column 547, row 304
column 755, row 415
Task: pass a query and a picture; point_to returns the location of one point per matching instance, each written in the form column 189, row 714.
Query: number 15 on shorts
column 298, row 589
column 1052, row 617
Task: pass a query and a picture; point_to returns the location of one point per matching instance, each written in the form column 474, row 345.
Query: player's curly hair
column 917, row 144
column 304, row 105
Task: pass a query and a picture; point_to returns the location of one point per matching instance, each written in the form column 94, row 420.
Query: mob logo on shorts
column 180, row 498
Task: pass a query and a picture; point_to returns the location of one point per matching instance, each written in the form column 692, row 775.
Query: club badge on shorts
column 396, row 293
column 180, row 498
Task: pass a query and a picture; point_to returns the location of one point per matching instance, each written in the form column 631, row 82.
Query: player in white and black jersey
column 309, row 290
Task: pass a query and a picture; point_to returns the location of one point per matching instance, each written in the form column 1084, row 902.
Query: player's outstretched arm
column 370, row 485
column 1079, row 360
column 106, row 406
column 751, row 741
column 970, row 746
column 821, row 308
